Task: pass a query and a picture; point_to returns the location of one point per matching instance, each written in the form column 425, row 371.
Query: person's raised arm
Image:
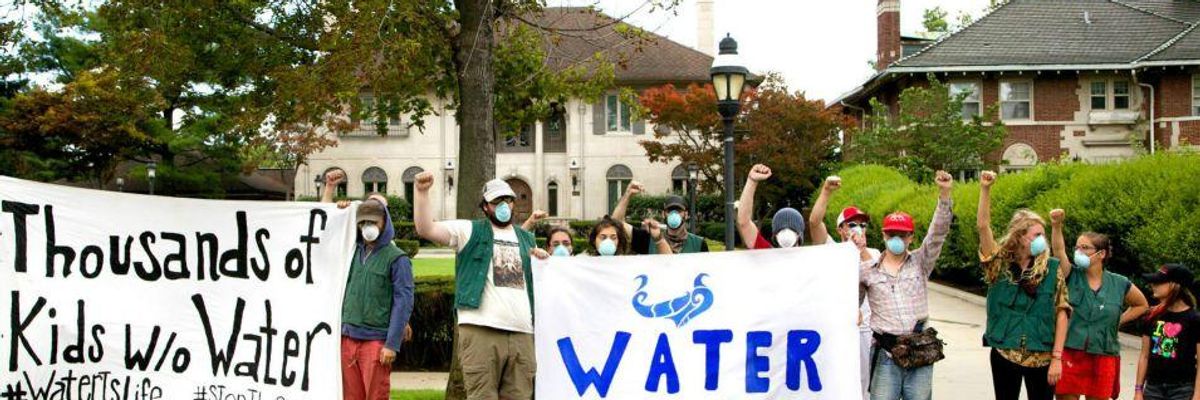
column 618, row 213
column 745, row 215
column 816, row 218
column 1136, row 300
column 983, row 217
column 332, row 180
column 423, row 215
column 534, row 218
column 939, row 228
column 1057, row 242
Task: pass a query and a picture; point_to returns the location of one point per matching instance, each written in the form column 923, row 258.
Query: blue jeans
column 891, row 382
column 1168, row 391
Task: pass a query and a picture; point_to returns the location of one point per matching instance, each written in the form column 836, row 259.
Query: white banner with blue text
column 107, row 295
column 763, row 324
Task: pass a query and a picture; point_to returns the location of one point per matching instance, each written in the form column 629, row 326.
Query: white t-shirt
column 865, row 308
column 505, row 303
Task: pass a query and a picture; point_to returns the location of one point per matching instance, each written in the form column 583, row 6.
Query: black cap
column 674, row 202
column 1177, row 273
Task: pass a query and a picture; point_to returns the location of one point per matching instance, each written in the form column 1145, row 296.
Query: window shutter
column 598, row 125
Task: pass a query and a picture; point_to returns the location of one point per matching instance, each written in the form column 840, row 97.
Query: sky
column 821, row 47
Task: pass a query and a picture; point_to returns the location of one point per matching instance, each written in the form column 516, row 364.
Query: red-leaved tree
column 795, row 136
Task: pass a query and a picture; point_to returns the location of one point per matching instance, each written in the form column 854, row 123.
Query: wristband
column 1138, row 388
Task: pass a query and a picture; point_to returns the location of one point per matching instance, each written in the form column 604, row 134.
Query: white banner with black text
column 108, row 295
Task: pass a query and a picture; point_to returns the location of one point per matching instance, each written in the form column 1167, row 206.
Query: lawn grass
column 433, row 267
column 418, row 395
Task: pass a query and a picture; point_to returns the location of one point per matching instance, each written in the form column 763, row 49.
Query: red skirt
column 1090, row 375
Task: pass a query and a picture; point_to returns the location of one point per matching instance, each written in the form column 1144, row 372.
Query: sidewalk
column 965, row 373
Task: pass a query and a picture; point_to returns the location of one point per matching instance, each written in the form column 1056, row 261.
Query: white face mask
column 786, row 238
column 370, row 232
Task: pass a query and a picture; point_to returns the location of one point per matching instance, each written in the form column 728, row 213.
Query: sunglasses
column 854, row 225
column 902, row 235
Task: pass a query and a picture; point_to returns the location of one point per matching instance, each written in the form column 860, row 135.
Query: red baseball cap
column 850, row 213
column 898, row 222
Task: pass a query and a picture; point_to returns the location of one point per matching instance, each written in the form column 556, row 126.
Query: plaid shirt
column 899, row 301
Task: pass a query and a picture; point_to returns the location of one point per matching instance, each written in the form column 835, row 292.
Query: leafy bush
column 710, row 207
column 412, row 247
column 432, row 323
column 1149, row 207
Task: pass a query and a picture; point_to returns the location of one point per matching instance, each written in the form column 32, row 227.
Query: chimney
column 888, row 34
column 704, row 27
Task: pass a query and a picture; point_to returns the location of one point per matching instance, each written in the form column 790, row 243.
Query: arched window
column 552, row 198
column 618, row 177
column 679, row 180
column 410, row 176
column 374, row 180
column 341, row 188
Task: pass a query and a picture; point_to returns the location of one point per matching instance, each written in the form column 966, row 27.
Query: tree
column 929, row 133
column 796, row 136
column 934, row 20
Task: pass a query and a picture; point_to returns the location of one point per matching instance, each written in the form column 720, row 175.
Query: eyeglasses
column 902, row 235
column 854, row 225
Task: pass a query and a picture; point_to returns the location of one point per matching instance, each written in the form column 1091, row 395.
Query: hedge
column 411, row 247
column 432, row 323
column 1149, row 207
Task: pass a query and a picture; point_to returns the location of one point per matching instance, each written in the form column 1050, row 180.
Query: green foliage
column 709, row 207
column 929, row 134
column 411, row 247
column 1147, row 206
column 432, row 323
column 934, row 20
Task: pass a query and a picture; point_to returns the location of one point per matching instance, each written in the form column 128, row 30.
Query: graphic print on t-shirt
column 1165, row 338
column 507, row 271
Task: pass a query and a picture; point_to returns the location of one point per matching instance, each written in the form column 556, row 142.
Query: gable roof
column 577, row 34
column 1034, row 35
column 1033, row 32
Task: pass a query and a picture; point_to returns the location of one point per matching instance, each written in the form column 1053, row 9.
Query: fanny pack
column 914, row 350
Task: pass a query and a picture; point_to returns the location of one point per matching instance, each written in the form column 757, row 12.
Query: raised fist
column 760, row 172
column 832, row 184
column 424, row 181
column 652, row 226
column 987, row 178
column 538, row 215
column 1057, row 216
column 334, row 177
column 944, row 180
column 634, row 188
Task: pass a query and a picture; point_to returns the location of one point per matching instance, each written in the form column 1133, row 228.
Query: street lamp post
column 728, row 77
column 318, row 182
column 693, row 177
column 120, row 184
column 151, row 171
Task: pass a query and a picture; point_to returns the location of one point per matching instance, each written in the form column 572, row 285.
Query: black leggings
column 1007, row 376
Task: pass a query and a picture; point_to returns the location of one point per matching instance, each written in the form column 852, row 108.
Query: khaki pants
column 497, row 364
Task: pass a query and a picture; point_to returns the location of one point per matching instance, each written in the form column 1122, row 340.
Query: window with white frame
column 1110, row 95
column 1016, row 100
column 1196, row 95
column 617, row 114
column 971, row 105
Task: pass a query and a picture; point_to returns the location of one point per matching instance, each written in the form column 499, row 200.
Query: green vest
column 368, row 298
column 1095, row 315
column 474, row 262
column 691, row 245
column 1016, row 320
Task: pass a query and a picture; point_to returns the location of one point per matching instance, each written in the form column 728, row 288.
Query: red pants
column 363, row 377
column 1089, row 374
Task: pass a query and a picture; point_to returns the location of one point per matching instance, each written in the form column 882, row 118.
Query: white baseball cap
column 495, row 189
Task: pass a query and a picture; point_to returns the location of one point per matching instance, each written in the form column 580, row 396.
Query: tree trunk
column 476, row 138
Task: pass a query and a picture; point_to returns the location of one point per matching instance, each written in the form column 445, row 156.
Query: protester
column 493, row 291
column 896, row 287
column 787, row 226
column 559, row 242
column 675, row 212
column 1100, row 301
column 377, row 303
column 608, row 239
column 1026, row 288
column 1170, row 338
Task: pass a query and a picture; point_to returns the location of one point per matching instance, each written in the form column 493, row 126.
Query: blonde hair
column 1010, row 244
